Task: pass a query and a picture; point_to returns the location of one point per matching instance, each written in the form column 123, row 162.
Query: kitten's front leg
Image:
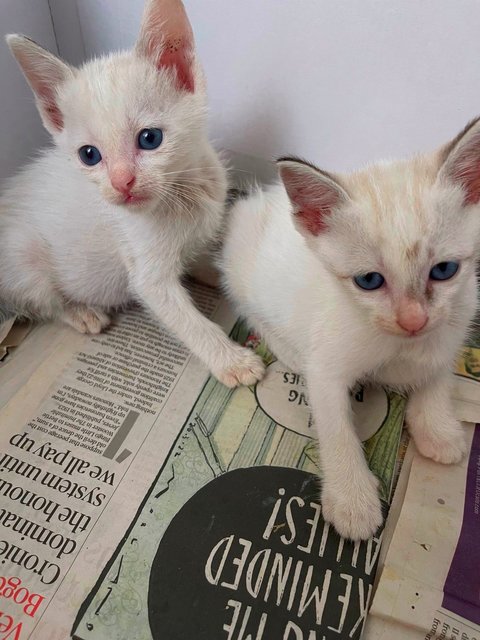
column 350, row 499
column 229, row 362
column 434, row 428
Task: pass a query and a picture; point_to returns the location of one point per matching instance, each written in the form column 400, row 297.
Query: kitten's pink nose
column 122, row 179
column 411, row 316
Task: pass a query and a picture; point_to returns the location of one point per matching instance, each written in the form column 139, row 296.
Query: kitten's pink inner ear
column 177, row 56
column 167, row 39
column 466, row 171
column 313, row 198
column 462, row 165
column 48, row 101
column 45, row 73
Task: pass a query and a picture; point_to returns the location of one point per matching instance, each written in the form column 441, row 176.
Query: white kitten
column 130, row 193
column 368, row 276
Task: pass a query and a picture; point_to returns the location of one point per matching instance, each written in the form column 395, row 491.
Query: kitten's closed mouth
column 411, row 335
column 132, row 199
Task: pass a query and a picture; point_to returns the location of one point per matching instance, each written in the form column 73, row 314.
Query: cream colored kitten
column 129, row 194
column 371, row 277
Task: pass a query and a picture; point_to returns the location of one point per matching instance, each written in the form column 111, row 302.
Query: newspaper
column 96, row 431
column 12, row 333
column 467, row 384
column 429, row 586
column 70, row 460
column 430, row 583
column 5, row 327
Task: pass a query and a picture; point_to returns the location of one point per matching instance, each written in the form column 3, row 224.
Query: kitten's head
column 130, row 121
column 402, row 238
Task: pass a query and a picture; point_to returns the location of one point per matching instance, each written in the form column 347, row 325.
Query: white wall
column 341, row 82
column 21, row 131
column 67, row 30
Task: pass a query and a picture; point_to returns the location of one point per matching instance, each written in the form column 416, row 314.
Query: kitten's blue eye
column 149, row 139
column 89, row 155
column 444, row 270
column 369, row 281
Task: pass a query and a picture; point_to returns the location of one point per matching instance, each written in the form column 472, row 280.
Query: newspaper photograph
column 466, row 390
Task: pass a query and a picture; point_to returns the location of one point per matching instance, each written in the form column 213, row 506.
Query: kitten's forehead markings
column 391, row 187
column 369, row 189
column 413, row 251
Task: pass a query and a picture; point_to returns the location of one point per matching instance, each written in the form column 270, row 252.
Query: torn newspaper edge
column 12, row 333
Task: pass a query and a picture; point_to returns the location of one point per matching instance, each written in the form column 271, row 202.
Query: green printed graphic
column 468, row 365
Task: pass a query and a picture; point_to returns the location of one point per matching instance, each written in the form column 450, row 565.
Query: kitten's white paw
column 356, row 514
column 247, row 368
column 446, row 444
column 86, row 319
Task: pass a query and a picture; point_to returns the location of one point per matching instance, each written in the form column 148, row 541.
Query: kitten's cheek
column 96, row 179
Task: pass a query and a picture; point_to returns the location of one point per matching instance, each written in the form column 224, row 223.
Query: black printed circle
column 215, row 571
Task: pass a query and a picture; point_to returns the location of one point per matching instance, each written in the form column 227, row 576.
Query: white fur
column 297, row 290
column 71, row 247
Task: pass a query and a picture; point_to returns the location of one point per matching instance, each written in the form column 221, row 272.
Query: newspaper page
column 430, row 583
column 83, row 437
column 231, row 530
column 81, row 452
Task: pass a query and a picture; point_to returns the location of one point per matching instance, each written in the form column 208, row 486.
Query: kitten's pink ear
column 461, row 162
column 44, row 73
column 313, row 193
column 166, row 38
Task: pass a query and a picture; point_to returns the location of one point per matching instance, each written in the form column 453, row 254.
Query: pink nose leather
column 122, row 179
column 411, row 316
